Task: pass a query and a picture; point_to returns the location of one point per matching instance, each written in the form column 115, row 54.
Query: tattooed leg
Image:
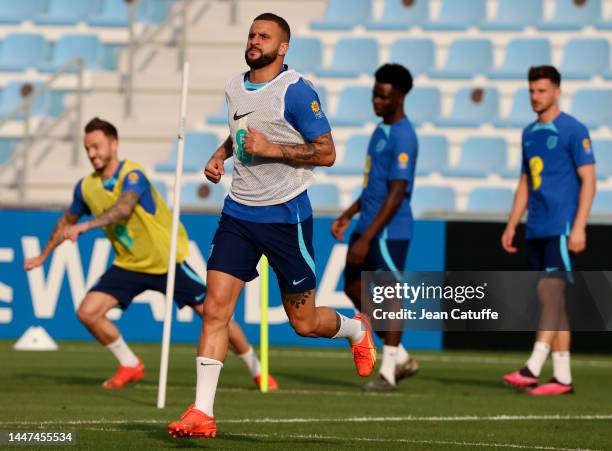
column 307, row 319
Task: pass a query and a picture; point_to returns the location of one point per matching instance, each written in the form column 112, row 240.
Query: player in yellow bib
column 137, row 222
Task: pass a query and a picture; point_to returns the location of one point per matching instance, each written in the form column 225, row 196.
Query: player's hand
column 257, row 144
column 34, row 262
column 358, row 251
column 72, row 232
column 507, row 239
column 577, row 240
column 214, row 169
column 339, row 226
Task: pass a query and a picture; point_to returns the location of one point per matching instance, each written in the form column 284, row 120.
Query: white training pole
column 176, row 208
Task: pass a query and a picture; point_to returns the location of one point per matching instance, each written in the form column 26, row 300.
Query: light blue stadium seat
column 15, row 11
column 592, row 107
column 603, row 158
column 521, row 54
column 199, row 147
column 161, row 188
column 7, row 149
column 69, row 46
column 472, row 107
column 205, row 195
column 602, row 204
column 521, row 113
column 480, row 157
column 584, row 58
column 220, row 117
column 490, row 200
column 115, row 13
column 512, row 173
column 433, row 154
column 354, row 107
column 423, row 105
column 458, row 15
column 352, row 57
column 67, row 12
column 20, row 51
column 515, row 15
column 418, row 55
column 466, row 59
column 397, row 16
column 324, row 196
column 432, row 198
column 305, row 55
column 344, row 15
column 573, row 15
column 354, row 158
column 604, row 24
column 11, row 98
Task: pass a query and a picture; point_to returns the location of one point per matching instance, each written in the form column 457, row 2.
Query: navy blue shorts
column 238, row 245
column 124, row 285
column 550, row 255
column 384, row 255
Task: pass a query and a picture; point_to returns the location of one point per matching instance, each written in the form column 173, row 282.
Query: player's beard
column 264, row 60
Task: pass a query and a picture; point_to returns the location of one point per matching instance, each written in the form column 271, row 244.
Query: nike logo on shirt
column 237, row 116
column 199, row 297
column 300, row 281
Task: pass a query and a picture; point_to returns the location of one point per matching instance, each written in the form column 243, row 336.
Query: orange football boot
column 272, row 384
column 193, row 423
column 124, row 375
column 364, row 352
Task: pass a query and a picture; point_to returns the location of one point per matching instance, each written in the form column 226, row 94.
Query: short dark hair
column 105, row 127
column 282, row 23
column 396, row 75
column 549, row 72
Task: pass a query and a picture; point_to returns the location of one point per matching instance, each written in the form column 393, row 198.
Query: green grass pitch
column 456, row 402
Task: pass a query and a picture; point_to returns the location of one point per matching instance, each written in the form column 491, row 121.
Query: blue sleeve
column 304, row 112
column 136, row 181
column 78, row 205
column 405, row 148
column 524, row 165
column 580, row 146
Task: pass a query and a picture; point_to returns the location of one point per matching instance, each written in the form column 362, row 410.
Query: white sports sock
column 350, row 328
column 538, row 357
column 402, row 355
column 122, row 352
column 207, row 377
column 561, row 367
column 251, row 361
column 387, row 368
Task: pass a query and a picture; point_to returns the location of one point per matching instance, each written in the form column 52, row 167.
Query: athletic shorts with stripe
column 550, row 256
column 238, row 245
column 124, row 285
column 384, row 255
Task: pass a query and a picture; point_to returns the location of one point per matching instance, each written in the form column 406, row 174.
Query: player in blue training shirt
column 278, row 134
column 383, row 233
column 556, row 187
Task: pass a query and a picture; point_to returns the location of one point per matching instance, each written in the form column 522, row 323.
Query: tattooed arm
column 214, row 168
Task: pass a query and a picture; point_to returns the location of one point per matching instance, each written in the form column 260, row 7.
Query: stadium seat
column 206, row 195
column 161, row 188
column 198, row 149
column 220, row 117
column 397, row 16
column 352, row 57
column 11, row 98
column 573, row 15
column 480, row 157
column 432, row 198
column 354, row 107
column 344, row 15
column 305, row 55
column 418, row 55
column 354, row 157
column 115, row 13
column 584, row 58
column 521, row 114
column 20, row 51
column 521, row 54
column 592, row 107
column 604, row 24
column 512, row 173
column 472, row 107
column 602, row 204
column 67, row 12
column 15, row 12
column 603, row 158
column 324, row 196
column 87, row 46
column 423, row 105
column 515, row 15
column 490, row 200
column 7, row 149
column 458, row 15
column 466, row 59
column 433, row 154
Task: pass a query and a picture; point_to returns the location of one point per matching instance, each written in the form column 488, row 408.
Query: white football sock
column 350, row 328
column 122, row 352
column 402, row 355
column 387, row 368
column 561, row 367
column 251, row 361
column 207, row 377
column 538, row 357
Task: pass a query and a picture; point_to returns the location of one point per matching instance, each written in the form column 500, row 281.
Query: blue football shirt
column 552, row 153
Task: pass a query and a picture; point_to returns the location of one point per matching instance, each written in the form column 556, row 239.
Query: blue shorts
column 550, row 255
column 238, row 245
column 124, row 285
column 384, row 255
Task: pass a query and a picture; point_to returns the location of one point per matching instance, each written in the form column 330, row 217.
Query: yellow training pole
column 263, row 326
